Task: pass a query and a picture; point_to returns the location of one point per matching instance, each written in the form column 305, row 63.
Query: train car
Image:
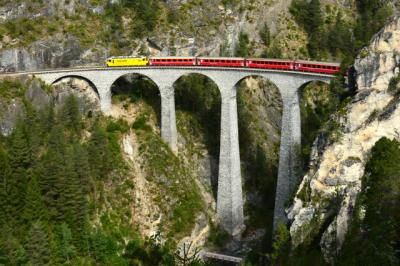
column 127, row 61
column 270, row 63
column 317, row 67
column 172, row 61
column 221, row 61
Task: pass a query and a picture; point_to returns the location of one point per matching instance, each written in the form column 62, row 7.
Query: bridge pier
column 290, row 148
column 229, row 197
column 168, row 117
column 105, row 100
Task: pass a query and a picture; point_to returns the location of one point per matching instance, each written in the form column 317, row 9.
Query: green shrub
column 119, row 125
column 141, row 123
column 394, row 87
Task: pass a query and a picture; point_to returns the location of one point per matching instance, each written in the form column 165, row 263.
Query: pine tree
column 82, row 167
column 19, row 158
column 314, row 28
column 67, row 248
column 70, row 114
column 37, row 245
column 19, row 152
column 47, row 118
column 33, row 131
column 4, row 176
column 99, row 154
column 53, row 169
column 34, row 206
column 73, row 202
column 242, row 48
column 265, row 35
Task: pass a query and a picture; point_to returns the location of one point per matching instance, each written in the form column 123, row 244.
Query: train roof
column 318, row 63
column 270, row 59
column 117, row 57
column 172, row 57
column 221, row 58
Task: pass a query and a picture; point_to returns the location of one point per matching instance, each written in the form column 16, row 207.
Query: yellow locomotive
column 127, row 61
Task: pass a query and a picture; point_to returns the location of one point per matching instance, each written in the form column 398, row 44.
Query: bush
column 119, row 125
column 394, row 85
column 141, row 123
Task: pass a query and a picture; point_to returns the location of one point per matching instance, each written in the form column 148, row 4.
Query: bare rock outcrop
column 328, row 192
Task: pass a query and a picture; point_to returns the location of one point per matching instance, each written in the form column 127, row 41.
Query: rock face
column 13, row 109
column 45, row 54
column 328, row 192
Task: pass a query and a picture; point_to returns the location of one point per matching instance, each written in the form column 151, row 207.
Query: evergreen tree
column 33, row 131
column 373, row 15
column 37, row 245
column 53, row 170
column 339, row 38
column 47, row 118
column 73, row 201
column 70, row 115
column 19, row 158
column 309, row 16
column 243, row 48
column 99, row 154
column 82, row 167
column 67, row 249
column 4, row 176
column 314, row 28
column 265, row 35
column 34, row 206
column 374, row 237
column 19, row 152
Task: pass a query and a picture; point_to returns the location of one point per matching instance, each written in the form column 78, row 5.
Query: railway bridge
column 229, row 195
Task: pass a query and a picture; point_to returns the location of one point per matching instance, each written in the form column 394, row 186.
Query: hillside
column 82, row 188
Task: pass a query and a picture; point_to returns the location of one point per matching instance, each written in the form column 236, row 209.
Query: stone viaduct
column 229, row 195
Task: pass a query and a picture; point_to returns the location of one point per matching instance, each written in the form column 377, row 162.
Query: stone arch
column 91, row 84
column 125, row 83
column 308, row 82
column 200, row 73
column 118, row 77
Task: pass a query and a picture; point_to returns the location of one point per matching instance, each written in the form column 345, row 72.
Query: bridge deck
column 102, row 68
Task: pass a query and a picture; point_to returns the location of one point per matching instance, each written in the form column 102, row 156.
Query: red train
column 278, row 64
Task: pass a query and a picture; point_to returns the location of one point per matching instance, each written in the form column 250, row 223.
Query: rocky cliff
column 324, row 203
column 37, row 35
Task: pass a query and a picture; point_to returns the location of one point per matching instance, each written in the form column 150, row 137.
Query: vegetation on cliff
column 374, row 237
column 66, row 188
